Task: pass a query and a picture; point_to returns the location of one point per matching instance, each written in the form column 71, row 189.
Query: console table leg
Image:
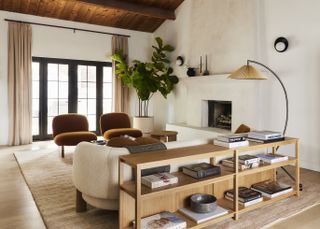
column 274, row 150
column 138, row 198
column 297, row 146
column 236, row 185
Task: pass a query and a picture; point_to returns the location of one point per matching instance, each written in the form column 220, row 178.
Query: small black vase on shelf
column 191, row 72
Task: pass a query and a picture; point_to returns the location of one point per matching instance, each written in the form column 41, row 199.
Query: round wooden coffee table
column 165, row 135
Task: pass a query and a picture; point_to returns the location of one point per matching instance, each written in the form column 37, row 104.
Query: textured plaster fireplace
column 217, row 114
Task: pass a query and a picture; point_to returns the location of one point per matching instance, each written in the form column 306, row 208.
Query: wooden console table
column 138, row 201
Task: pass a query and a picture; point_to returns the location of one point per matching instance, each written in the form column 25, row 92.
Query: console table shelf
column 138, row 201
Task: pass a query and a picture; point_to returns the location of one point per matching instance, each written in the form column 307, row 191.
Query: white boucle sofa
column 95, row 172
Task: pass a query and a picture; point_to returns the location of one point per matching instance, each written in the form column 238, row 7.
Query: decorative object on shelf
column 148, row 77
column 248, row 72
column 206, row 71
column 191, row 72
column 179, row 61
column 281, row 44
column 203, row 203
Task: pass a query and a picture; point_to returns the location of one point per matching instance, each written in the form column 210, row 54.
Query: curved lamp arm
column 284, row 90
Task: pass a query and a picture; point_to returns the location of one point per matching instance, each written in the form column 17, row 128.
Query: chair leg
column 81, row 205
column 62, row 151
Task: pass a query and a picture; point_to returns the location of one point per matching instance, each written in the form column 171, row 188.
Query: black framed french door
column 63, row 86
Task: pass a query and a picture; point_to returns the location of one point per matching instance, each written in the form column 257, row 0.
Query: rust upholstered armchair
column 70, row 130
column 117, row 124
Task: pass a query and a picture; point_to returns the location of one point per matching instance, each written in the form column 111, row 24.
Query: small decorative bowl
column 203, row 203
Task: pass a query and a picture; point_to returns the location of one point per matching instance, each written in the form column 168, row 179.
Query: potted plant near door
column 147, row 78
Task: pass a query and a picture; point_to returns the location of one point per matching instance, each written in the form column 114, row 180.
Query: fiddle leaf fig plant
column 148, row 77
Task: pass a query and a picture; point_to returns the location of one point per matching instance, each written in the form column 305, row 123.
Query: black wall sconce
column 179, row 61
column 281, row 44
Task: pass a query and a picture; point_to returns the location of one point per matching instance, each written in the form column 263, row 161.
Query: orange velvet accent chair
column 70, row 130
column 117, row 124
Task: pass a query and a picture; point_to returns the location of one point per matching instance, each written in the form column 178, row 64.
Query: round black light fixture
column 281, row 44
column 179, row 61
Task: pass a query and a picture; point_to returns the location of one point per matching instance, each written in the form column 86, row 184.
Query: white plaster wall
column 60, row 43
column 232, row 31
column 299, row 69
column 225, row 31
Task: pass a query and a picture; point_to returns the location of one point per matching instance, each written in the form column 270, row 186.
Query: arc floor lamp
column 248, row 72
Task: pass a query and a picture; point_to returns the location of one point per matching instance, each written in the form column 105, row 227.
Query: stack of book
column 202, row 217
column 245, row 162
column 247, row 197
column 265, row 136
column 159, row 180
column 271, row 189
column 201, row 170
column 231, row 141
column 272, row 158
column 165, row 220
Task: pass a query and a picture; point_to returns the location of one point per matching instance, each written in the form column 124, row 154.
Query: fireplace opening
column 220, row 114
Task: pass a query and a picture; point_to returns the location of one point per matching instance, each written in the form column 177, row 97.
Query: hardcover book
column 271, row 189
column 245, row 194
column 265, row 134
column 248, row 203
column 202, row 217
column 232, row 138
column 272, row 158
column 231, row 144
column 201, row 170
column 266, row 141
column 159, row 180
column 248, row 159
column 163, row 220
column 230, row 163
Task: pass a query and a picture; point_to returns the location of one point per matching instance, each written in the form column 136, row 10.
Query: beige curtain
column 120, row 92
column 20, row 84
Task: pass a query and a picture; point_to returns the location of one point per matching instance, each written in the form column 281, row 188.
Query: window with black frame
column 63, row 86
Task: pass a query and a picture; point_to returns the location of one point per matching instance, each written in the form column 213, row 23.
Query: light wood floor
column 17, row 207
column 18, row 210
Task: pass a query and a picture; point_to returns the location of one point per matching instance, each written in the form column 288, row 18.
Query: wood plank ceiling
column 140, row 15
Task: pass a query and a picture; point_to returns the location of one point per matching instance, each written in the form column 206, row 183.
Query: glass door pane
column 107, row 89
column 35, row 99
column 87, row 94
column 58, row 91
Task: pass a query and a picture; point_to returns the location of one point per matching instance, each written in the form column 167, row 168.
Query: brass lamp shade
column 247, row 72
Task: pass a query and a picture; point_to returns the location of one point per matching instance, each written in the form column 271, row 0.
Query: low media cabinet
column 138, row 201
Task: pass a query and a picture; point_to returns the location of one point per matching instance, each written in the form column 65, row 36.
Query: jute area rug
column 49, row 178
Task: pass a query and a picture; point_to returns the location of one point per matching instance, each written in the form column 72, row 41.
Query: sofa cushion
column 74, row 138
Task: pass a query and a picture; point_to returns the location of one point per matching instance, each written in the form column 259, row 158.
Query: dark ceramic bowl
column 203, row 203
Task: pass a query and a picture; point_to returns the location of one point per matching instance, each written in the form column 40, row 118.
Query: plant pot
column 145, row 124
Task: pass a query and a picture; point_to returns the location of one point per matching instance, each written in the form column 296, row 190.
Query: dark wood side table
column 165, row 135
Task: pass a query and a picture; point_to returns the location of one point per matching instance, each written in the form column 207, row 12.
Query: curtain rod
column 71, row 28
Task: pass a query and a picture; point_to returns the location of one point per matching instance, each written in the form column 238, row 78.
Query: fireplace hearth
column 220, row 114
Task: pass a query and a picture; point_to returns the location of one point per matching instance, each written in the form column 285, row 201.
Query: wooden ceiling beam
column 141, row 9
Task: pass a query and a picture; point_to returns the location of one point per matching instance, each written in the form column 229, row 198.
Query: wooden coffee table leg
column 81, row 205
